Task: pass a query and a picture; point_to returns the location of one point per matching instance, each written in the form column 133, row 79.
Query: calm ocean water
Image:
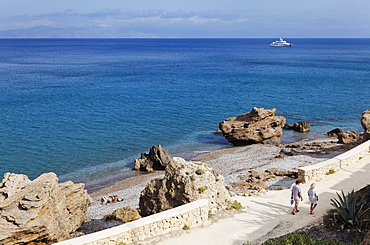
column 85, row 108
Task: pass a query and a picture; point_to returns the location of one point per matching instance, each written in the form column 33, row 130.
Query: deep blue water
column 85, row 108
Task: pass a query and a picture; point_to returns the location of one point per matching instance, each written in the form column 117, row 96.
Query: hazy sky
column 200, row 18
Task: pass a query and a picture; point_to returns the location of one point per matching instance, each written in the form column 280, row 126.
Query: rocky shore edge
column 250, row 169
column 244, row 170
column 237, row 165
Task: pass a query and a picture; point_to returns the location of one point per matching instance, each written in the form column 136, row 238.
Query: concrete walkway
column 269, row 216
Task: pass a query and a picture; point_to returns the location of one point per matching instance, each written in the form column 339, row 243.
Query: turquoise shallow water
column 85, row 108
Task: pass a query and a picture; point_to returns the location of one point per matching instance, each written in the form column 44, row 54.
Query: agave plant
column 351, row 212
column 345, row 206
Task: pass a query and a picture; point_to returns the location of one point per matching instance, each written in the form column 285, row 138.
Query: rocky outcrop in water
column 301, row 127
column 41, row 210
column 365, row 122
column 184, row 182
column 157, row 159
column 257, row 126
column 298, row 127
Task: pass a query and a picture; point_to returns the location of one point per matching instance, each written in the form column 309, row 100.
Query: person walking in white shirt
column 313, row 197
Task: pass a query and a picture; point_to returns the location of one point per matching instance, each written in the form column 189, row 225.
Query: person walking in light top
column 313, row 197
column 296, row 196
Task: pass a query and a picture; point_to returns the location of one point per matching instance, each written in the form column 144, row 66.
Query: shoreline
column 133, row 177
column 227, row 161
column 126, row 183
column 103, row 183
column 107, row 181
column 232, row 163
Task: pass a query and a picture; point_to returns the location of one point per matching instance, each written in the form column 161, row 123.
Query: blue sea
column 85, row 108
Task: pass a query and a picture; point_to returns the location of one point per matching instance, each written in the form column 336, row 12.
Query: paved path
column 269, row 216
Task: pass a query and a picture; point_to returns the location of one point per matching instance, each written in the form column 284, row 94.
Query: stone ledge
column 317, row 171
column 354, row 154
column 121, row 229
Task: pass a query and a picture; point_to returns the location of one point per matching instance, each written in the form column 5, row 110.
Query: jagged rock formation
column 157, row 159
column 125, row 214
column 344, row 137
column 41, row 210
column 257, row 126
column 184, row 182
column 348, row 137
column 365, row 122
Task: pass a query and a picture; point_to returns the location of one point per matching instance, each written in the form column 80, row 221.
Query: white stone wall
column 317, row 171
column 135, row 232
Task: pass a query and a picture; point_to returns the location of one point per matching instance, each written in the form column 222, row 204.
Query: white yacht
column 281, row 43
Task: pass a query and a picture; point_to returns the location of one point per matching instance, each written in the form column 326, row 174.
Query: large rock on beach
column 365, row 122
column 157, row 159
column 258, row 126
column 348, row 137
column 41, row 210
column 184, row 182
column 125, row 214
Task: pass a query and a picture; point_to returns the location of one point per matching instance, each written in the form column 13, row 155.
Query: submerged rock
column 184, row 182
column 41, row 210
column 257, row 126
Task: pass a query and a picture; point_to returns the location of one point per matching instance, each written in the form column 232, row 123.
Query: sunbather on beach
column 117, row 198
column 110, row 199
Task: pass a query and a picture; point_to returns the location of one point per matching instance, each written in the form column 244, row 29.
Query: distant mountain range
column 72, row 32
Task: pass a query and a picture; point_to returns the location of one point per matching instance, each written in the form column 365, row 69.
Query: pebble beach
column 232, row 163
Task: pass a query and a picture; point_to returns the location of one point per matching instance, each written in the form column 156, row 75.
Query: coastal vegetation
column 351, row 213
column 302, row 238
column 331, row 171
column 211, row 214
column 235, row 205
column 186, row 227
column 202, row 189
